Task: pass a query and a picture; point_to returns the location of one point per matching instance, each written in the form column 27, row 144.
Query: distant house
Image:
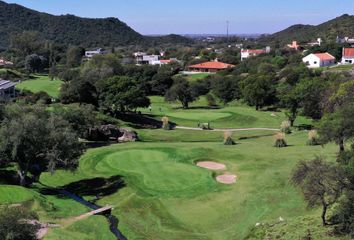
column 345, row 40
column 316, row 60
column 90, row 54
column 7, row 90
column 318, row 42
column 247, row 53
column 348, row 56
column 210, row 67
column 294, row 45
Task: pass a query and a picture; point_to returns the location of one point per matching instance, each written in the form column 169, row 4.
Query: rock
column 281, row 219
column 128, row 136
column 258, row 224
column 104, row 133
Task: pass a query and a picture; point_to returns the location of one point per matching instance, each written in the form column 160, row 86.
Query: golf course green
column 158, row 192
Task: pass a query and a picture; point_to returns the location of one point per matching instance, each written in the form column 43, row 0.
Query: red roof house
column 211, row 67
column 348, row 56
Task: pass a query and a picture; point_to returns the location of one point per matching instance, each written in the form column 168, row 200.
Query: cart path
column 229, row 129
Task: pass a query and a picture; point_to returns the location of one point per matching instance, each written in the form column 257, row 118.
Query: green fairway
column 235, row 115
column 41, row 83
column 158, row 192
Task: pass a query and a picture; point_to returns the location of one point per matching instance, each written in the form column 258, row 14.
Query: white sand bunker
column 226, row 178
column 211, row 165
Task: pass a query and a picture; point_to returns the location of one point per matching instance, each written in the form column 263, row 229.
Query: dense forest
column 72, row 30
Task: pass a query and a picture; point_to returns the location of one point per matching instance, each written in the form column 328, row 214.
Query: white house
column 90, row 54
column 247, row 53
column 316, row 60
column 348, row 56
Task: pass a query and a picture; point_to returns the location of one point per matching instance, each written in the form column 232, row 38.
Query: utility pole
column 227, row 29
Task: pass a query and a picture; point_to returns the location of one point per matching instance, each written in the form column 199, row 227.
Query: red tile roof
column 325, row 56
column 166, row 61
column 348, row 52
column 212, row 65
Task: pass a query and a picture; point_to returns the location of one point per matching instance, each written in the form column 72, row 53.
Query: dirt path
column 228, row 129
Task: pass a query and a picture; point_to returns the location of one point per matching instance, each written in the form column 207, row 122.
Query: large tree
column 122, row 93
column 321, row 183
column 36, row 140
column 180, row 91
column 225, row 88
column 338, row 126
column 258, row 90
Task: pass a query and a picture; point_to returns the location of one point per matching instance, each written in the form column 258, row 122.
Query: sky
column 200, row 16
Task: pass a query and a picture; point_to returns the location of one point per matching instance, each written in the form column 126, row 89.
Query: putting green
column 200, row 115
column 157, row 172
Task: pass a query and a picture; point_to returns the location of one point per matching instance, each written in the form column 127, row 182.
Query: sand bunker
column 226, row 178
column 211, row 165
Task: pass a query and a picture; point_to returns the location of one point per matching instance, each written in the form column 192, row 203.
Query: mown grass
column 165, row 196
column 42, row 83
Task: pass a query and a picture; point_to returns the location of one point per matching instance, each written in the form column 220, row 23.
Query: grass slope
column 42, row 83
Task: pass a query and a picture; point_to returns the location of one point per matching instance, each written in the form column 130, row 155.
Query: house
column 210, row 67
column 345, row 40
column 348, row 56
column 247, row 53
column 294, row 45
column 316, row 60
column 7, row 90
column 315, row 43
column 90, row 54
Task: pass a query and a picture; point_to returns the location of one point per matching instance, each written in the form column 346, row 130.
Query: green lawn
column 197, row 76
column 165, row 196
column 41, row 83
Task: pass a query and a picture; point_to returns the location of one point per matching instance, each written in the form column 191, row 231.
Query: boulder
column 128, row 136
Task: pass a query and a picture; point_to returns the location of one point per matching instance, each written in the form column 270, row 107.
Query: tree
column 258, row 90
column 79, row 90
column 225, row 88
column 37, row 141
column 13, row 224
column 289, row 98
column 321, row 183
column 35, row 63
column 80, row 117
column 180, row 91
column 26, row 43
column 122, row 93
column 74, row 55
column 337, row 126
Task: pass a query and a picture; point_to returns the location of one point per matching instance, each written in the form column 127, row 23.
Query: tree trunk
column 341, row 146
column 323, row 216
column 22, row 176
column 292, row 122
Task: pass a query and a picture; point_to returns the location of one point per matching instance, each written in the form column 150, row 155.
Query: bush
column 280, row 140
column 285, row 127
column 228, row 138
column 313, row 138
column 13, row 223
column 165, row 123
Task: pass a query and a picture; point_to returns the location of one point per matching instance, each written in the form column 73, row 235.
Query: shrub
column 228, row 138
column 285, row 127
column 313, row 138
column 280, row 140
column 165, row 123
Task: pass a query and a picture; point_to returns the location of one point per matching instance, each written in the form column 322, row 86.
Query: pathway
column 229, row 129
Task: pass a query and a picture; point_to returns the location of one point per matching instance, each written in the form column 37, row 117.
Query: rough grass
column 41, row 83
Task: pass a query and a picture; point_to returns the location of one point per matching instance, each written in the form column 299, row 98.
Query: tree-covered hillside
column 341, row 26
column 71, row 30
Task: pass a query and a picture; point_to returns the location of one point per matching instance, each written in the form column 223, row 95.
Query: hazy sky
column 200, row 16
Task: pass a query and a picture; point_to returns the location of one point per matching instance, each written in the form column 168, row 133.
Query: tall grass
column 280, row 140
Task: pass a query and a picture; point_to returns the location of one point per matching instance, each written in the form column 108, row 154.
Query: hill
column 328, row 31
column 70, row 29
